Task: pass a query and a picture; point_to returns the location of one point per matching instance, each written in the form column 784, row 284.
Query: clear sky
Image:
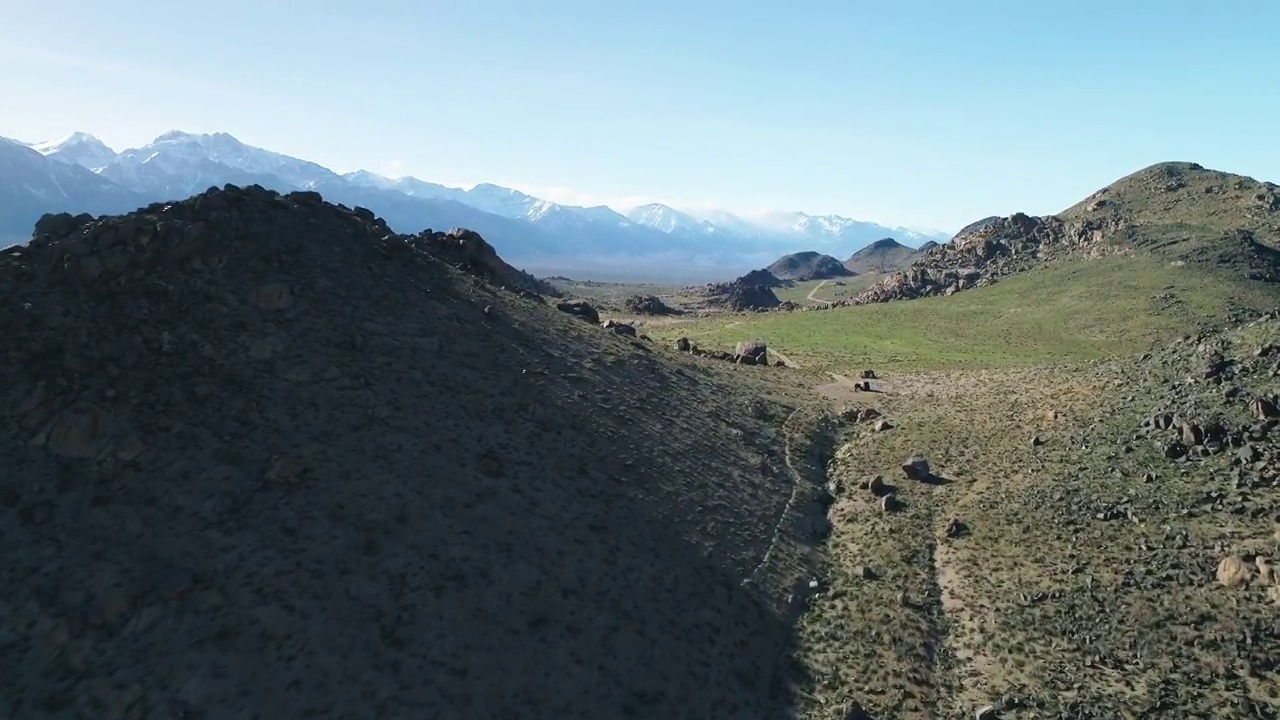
column 928, row 113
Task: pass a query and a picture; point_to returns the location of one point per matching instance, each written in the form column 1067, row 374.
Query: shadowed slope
column 263, row 458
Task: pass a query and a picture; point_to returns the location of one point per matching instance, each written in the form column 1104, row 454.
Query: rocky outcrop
column 469, row 252
column 986, row 251
column 753, row 291
column 648, row 305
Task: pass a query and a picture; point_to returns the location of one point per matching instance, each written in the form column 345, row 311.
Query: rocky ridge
column 1181, row 211
column 980, row 257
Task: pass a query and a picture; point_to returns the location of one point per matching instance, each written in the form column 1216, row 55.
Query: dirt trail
column 815, row 289
column 788, row 433
column 963, row 630
column 708, row 332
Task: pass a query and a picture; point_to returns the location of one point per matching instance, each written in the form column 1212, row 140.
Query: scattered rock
column 1036, row 441
column 683, row 345
column 868, row 375
column 868, row 414
column 882, row 426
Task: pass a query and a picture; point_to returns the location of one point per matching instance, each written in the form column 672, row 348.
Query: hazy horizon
column 922, row 115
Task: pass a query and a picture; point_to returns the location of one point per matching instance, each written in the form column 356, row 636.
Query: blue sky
column 927, row 113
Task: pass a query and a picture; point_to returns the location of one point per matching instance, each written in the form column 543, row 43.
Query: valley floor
column 1057, row 563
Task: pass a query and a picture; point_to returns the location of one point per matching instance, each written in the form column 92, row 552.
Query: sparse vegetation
column 1069, row 312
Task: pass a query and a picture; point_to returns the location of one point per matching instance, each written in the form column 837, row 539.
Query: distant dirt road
column 816, row 288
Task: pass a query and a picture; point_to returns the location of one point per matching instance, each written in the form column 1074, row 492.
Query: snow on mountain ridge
column 178, row 163
column 669, row 220
column 78, row 148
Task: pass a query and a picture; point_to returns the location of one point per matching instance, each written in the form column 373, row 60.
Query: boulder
column 683, row 345
column 876, row 485
column 1233, row 572
column 916, row 468
column 753, row 349
column 1264, row 408
column 956, row 528
column 580, row 309
column 619, row 328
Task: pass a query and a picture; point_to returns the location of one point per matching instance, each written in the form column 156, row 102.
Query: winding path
column 815, row 289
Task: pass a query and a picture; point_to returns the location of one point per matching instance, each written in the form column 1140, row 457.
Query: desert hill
column 263, row 456
column 1179, row 212
column 882, row 256
column 808, row 265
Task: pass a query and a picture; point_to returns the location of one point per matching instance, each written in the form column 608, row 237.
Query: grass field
column 831, row 290
column 1078, row 311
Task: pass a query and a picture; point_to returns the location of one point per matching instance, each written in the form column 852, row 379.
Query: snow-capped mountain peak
column 178, row 148
column 78, row 148
column 364, row 178
column 667, row 219
column 503, row 201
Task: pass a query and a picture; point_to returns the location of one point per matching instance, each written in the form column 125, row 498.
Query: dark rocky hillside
column 753, row 291
column 263, row 457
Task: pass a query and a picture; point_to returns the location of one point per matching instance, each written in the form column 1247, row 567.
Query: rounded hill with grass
column 808, row 265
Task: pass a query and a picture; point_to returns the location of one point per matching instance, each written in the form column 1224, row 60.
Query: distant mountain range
column 80, row 173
